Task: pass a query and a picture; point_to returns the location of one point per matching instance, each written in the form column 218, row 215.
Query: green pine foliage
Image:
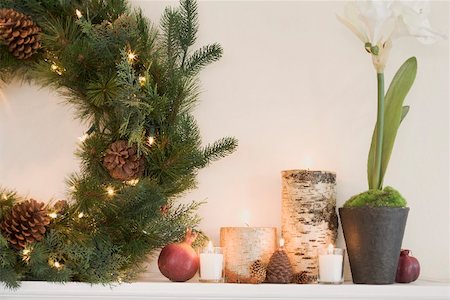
column 104, row 237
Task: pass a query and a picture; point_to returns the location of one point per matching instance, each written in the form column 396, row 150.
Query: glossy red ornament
column 179, row 261
column 408, row 268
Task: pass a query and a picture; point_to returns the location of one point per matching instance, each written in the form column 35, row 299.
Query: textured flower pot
column 374, row 239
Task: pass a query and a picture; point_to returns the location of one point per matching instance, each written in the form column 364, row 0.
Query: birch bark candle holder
column 308, row 219
column 243, row 246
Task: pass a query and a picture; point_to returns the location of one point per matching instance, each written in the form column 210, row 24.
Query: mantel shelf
column 193, row 290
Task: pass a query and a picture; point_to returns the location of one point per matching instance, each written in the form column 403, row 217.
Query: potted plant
column 374, row 221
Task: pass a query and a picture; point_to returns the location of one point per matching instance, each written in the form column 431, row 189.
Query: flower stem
column 380, row 129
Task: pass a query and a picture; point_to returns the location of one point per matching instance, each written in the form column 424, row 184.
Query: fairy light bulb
column 131, row 56
column 26, row 254
column 142, row 80
column 53, row 215
column 78, row 13
column 58, row 265
column 132, row 182
column 150, row 140
column 80, row 215
column 110, row 191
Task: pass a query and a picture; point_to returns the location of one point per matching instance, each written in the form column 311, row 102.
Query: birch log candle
column 308, row 219
column 243, row 247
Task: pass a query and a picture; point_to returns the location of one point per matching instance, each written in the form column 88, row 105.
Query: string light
column 53, row 215
column 142, row 80
column 80, row 215
column 55, row 68
column 26, row 254
column 131, row 56
column 78, row 13
column 58, row 265
column 132, row 182
column 110, row 191
column 150, row 140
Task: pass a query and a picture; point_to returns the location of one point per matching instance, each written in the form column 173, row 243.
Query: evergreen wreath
column 134, row 86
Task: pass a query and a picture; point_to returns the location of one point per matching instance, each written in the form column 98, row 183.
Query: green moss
column 389, row 197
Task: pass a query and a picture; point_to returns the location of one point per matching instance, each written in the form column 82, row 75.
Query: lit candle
column 331, row 262
column 211, row 264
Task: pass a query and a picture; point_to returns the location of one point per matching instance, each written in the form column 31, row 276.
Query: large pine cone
column 25, row 224
column 19, row 33
column 279, row 269
column 122, row 161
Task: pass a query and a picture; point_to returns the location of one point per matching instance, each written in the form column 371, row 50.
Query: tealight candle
column 331, row 265
column 211, row 264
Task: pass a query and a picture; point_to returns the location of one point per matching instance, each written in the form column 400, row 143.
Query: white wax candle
column 211, row 266
column 330, row 267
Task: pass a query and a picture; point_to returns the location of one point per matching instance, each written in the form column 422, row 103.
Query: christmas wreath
column 135, row 86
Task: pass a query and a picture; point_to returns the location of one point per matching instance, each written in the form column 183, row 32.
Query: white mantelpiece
column 202, row 291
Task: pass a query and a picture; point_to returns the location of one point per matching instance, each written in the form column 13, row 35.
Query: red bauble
column 408, row 269
column 179, row 261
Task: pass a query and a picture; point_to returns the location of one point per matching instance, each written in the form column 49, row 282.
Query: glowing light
column 4, row 197
column 210, row 247
column 245, row 217
column 131, row 56
column 53, row 215
column 26, row 254
column 281, row 243
column 80, row 215
column 110, row 191
column 55, row 68
column 132, row 182
column 150, row 140
column 58, row 265
column 330, row 249
column 142, row 80
column 83, row 137
column 79, row 14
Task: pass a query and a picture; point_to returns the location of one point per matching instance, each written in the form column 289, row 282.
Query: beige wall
column 298, row 91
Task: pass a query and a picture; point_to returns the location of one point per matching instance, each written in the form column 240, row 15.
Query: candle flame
column 281, row 243
column 330, row 249
column 210, row 246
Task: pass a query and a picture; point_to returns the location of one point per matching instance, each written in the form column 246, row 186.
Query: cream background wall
column 298, row 91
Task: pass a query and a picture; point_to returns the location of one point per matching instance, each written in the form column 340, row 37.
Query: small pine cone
column 25, row 224
column 279, row 269
column 257, row 272
column 303, row 278
column 61, row 207
column 122, row 161
column 19, row 33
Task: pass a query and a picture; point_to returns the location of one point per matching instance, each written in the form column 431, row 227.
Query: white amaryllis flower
column 376, row 23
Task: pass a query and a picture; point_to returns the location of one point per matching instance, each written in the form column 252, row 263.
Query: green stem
column 380, row 129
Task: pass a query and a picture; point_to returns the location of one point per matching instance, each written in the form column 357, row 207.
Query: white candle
column 330, row 265
column 211, row 263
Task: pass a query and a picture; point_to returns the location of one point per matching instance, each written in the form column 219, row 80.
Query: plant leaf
column 394, row 114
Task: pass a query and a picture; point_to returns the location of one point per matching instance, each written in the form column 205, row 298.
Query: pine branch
column 219, row 149
column 188, row 26
column 201, row 58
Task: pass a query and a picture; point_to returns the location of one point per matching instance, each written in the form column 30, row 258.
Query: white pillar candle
column 330, row 265
column 211, row 264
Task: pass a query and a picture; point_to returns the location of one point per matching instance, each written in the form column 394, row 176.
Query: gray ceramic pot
column 374, row 238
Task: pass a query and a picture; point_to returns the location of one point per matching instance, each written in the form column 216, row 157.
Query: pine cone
column 122, row 161
column 279, row 269
column 19, row 33
column 61, row 207
column 303, row 278
column 25, row 224
column 257, row 272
